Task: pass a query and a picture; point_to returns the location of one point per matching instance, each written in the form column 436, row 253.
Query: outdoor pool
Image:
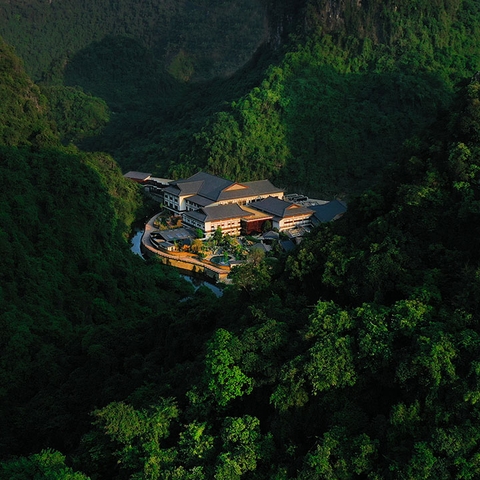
column 220, row 260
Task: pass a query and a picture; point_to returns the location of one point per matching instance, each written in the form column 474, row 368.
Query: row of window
column 235, row 228
column 193, row 223
column 297, row 222
column 192, row 207
column 224, row 225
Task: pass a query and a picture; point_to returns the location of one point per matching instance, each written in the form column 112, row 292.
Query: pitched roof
column 175, row 234
column 182, row 187
column 261, row 247
column 248, row 189
column 271, row 235
column 218, row 212
column 199, row 200
column 262, row 187
column 329, row 211
column 137, row 176
column 281, row 208
column 203, row 184
column 218, row 189
column 287, row 245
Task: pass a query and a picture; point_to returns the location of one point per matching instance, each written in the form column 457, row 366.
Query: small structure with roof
column 138, row 177
column 287, row 245
column 328, row 211
column 179, row 236
column 270, row 237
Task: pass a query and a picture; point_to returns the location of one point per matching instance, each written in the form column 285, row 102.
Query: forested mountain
column 188, row 37
column 327, row 100
column 69, row 290
column 354, row 356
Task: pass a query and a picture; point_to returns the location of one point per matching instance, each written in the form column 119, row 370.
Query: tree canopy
column 356, row 356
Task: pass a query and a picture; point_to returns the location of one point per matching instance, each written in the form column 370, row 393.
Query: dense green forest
column 188, row 37
column 356, row 356
column 323, row 105
column 70, row 293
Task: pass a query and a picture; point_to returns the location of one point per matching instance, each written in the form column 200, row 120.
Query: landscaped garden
column 220, row 249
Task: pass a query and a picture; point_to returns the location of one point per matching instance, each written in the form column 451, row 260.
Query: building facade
column 208, row 202
column 285, row 215
column 208, row 219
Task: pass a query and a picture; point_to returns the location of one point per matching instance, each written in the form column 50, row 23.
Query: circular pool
column 220, row 260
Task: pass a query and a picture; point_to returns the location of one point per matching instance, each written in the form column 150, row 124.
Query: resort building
column 285, row 215
column 208, row 219
column 207, row 202
column 204, row 190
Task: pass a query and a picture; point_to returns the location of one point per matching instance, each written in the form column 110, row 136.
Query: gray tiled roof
column 219, row 189
column 287, row 245
column 137, row 175
column 199, row 200
column 281, row 208
column 271, row 235
column 328, row 211
column 173, row 189
column 219, row 212
column 250, row 189
column 203, row 184
column 175, row 234
column 262, row 187
column 184, row 187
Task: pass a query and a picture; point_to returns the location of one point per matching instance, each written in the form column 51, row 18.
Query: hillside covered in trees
column 315, row 94
column 356, row 356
